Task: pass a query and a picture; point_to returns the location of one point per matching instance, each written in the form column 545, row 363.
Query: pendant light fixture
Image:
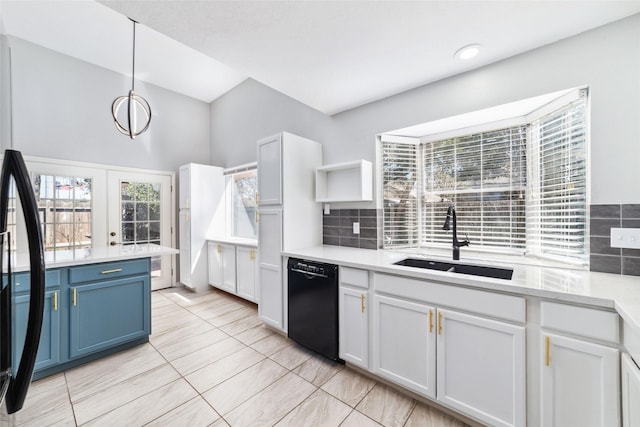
column 134, row 103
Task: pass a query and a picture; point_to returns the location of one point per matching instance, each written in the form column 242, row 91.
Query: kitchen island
column 97, row 302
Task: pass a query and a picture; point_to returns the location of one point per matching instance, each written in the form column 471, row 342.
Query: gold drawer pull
column 430, row 321
column 439, row 323
column 115, row 270
column 252, row 254
column 55, row 301
column 547, row 344
column 362, row 302
column 73, row 296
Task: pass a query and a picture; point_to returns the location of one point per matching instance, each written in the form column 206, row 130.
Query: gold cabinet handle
column 115, row 270
column 439, row 323
column 430, row 321
column 257, row 199
column 547, row 344
column 73, row 296
column 219, row 249
column 252, row 254
column 257, row 217
column 55, row 301
column 362, row 302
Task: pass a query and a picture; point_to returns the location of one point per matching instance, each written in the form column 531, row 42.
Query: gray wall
column 607, row 59
column 62, row 109
column 251, row 111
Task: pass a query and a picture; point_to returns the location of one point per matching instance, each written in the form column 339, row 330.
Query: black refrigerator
column 16, row 374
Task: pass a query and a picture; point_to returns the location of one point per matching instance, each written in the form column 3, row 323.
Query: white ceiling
column 330, row 55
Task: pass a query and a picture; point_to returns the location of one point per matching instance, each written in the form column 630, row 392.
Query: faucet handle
column 466, row 239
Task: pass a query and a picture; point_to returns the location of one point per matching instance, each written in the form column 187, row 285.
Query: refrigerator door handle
column 14, row 165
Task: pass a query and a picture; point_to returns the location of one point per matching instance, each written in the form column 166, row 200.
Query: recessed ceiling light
column 468, row 51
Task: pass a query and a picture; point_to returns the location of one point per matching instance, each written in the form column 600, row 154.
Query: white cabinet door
column 222, row 266
column 404, row 344
column 228, row 268
column 579, row 383
column 270, row 307
column 481, row 367
column 214, row 262
column 184, row 181
column 246, row 267
column 630, row 392
column 354, row 330
column 270, row 171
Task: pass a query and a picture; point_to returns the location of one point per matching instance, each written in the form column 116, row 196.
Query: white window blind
column 400, row 194
column 557, row 201
column 484, row 176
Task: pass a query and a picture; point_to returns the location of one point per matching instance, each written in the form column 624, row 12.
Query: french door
column 140, row 207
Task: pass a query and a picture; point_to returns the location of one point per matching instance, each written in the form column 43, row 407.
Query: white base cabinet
column 579, row 383
column 630, row 392
column 246, row 273
column 469, row 363
column 353, row 306
column 481, row 367
column 233, row 269
column 404, row 346
column 222, row 266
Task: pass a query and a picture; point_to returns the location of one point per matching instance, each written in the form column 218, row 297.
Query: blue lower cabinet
column 106, row 314
column 49, row 347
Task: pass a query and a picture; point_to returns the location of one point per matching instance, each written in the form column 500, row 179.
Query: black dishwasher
column 313, row 306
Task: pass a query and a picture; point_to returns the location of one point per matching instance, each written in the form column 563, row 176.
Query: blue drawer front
column 109, row 270
column 22, row 280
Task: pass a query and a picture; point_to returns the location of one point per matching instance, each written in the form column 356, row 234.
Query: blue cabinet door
column 49, row 347
column 106, row 314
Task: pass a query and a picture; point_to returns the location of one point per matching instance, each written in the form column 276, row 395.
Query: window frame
column 561, row 100
column 230, row 191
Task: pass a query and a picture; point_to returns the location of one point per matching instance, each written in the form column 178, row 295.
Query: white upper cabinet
column 270, row 171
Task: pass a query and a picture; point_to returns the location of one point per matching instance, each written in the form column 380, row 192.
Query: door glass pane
column 64, row 207
column 140, row 217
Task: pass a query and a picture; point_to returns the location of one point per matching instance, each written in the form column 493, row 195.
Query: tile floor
column 211, row 362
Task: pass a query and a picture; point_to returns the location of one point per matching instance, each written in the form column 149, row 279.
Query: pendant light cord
column 133, row 62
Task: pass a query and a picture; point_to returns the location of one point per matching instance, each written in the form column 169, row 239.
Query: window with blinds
column 484, row 176
column 519, row 189
column 399, row 175
column 557, row 202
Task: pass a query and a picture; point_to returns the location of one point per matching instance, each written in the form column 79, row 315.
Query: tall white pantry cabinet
column 289, row 216
column 201, row 214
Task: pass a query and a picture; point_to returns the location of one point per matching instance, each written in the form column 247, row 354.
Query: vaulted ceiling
column 330, row 55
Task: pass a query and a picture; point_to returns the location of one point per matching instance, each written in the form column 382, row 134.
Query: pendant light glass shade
column 134, row 103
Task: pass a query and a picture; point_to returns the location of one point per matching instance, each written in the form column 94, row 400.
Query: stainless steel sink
column 474, row 270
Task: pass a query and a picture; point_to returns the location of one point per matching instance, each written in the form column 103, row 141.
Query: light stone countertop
column 53, row 259
column 579, row 286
